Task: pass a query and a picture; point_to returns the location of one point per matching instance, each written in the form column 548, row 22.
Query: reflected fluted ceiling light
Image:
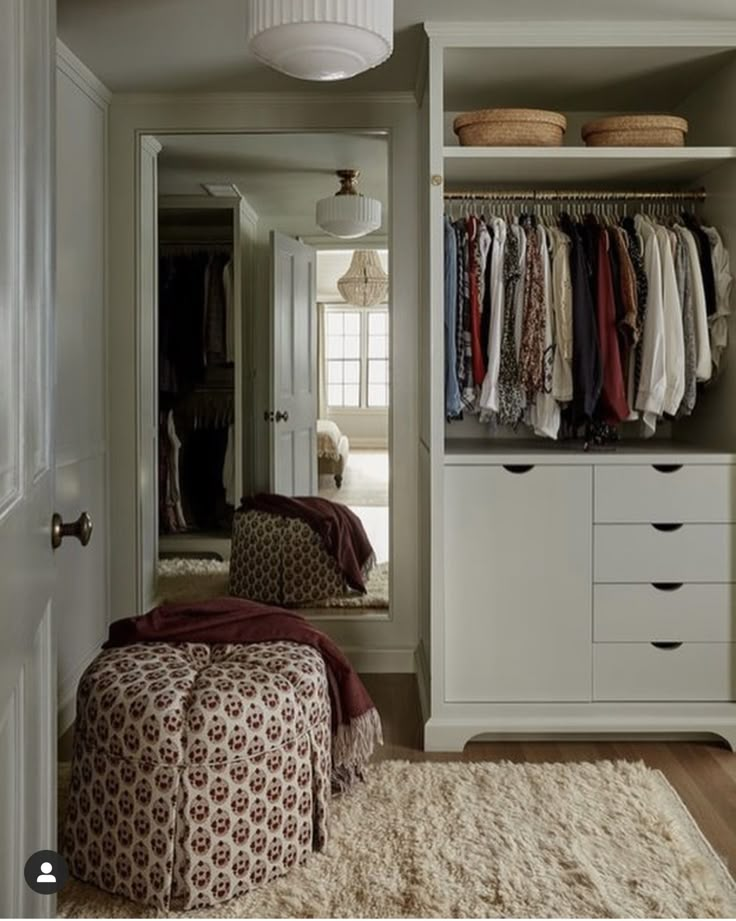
column 321, row 39
column 348, row 214
column 365, row 283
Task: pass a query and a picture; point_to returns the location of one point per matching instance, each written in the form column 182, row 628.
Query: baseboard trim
column 382, row 661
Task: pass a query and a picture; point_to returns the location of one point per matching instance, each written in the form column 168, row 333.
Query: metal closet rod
column 576, row 195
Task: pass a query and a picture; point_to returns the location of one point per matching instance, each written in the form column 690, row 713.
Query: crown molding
column 270, row 99
column 629, row 33
column 81, row 75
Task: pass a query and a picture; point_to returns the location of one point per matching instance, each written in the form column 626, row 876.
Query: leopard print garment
column 510, row 395
column 531, row 353
column 198, row 772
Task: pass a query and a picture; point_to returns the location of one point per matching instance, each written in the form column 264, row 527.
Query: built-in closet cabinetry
column 572, row 591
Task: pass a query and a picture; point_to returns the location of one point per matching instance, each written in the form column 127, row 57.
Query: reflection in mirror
column 270, row 380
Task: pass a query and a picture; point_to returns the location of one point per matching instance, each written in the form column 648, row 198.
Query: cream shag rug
column 604, row 840
column 196, row 580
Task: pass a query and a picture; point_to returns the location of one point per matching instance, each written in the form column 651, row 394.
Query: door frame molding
column 86, row 81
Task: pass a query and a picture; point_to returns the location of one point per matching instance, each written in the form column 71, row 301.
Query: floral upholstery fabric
column 198, row 772
column 278, row 560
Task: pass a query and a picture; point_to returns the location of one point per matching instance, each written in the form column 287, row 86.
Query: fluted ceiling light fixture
column 348, row 214
column 365, row 283
column 321, row 39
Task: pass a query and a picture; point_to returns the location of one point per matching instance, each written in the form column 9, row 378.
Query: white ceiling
column 280, row 175
column 199, row 45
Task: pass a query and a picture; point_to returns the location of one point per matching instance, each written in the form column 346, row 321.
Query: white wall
column 81, row 593
column 381, row 643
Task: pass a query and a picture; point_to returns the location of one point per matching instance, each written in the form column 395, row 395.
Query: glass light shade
column 365, row 283
column 348, row 216
column 321, row 39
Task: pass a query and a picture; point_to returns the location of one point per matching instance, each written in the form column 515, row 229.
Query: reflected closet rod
column 574, row 195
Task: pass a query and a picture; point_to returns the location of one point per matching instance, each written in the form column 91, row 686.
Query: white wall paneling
column 135, row 116
column 81, row 376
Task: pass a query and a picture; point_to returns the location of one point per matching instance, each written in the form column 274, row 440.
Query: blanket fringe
column 352, row 747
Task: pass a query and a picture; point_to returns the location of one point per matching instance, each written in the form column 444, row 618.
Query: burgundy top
column 614, row 405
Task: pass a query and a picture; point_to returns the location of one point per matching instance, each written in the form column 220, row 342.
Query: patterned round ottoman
column 199, row 771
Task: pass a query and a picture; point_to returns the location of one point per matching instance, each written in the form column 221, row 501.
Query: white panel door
column 81, row 452
column 27, row 649
column 518, row 550
column 292, row 414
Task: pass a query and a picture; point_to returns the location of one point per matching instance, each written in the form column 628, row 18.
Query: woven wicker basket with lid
column 510, row 128
column 636, row 131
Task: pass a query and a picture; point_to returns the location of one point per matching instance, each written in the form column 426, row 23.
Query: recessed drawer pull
column 667, row 645
column 518, row 468
column 667, row 586
column 666, row 526
column 667, row 468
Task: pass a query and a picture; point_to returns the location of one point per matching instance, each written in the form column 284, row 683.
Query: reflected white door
column 27, row 649
column 293, row 409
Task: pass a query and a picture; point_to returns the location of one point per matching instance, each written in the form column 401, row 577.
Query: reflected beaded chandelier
column 321, row 39
column 365, row 283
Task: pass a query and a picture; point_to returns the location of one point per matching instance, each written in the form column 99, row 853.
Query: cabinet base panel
column 450, row 733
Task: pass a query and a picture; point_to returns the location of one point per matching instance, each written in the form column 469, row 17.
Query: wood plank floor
column 703, row 773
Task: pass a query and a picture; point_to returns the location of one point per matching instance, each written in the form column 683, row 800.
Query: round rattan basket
column 636, row 131
column 510, row 128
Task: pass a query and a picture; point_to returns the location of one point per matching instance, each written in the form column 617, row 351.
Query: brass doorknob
column 282, row 416
column 81, row 529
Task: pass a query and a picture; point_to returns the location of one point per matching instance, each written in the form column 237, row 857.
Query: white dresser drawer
column 704, row 613
column 640, row 671
column 645, row 553
column 663, row 493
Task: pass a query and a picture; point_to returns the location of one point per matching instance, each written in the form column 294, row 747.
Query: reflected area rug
column 603, row 840
column 185, row 579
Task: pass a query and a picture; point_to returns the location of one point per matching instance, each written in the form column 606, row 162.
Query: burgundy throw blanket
column 356, row 725
column 340, row 529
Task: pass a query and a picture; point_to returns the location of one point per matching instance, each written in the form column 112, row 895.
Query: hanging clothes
column 544, row 412
column 614, row 406
column 453, row 403
column 489, row 393
column 575, row 326
column 562, row 312
column 723, row 284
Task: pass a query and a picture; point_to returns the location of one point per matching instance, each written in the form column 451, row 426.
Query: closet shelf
column 575, row 166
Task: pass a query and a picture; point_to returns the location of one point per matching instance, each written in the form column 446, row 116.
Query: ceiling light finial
column 321, row 39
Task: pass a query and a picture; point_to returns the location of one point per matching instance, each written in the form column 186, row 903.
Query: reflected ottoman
column 280, row 560
column 199, row 771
